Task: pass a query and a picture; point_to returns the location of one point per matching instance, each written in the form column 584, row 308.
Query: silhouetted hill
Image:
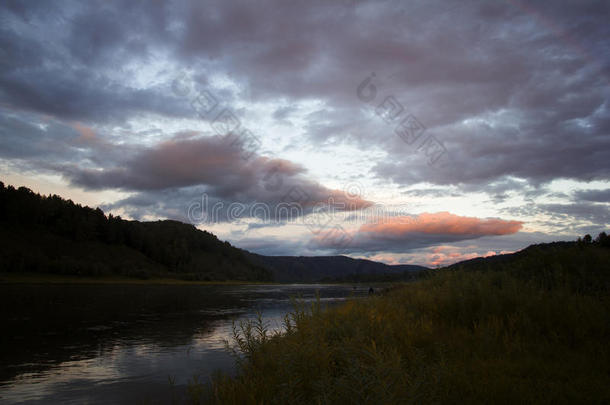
column 582, row 266
column 333, row 268
column 48, row 234
column 53, row 235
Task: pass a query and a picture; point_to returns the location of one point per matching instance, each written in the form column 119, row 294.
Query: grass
column 456, row 337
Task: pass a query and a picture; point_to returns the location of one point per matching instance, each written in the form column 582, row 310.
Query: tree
column 587, row 238
column 603, row 239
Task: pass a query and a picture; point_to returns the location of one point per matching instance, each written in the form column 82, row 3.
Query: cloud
column 26, row 137
column 566, row 218
column 167, row 178
column 87, row 133
column 602, row 196
column 227, row 171
column 511, row 90
column 445, row 255
column 451, row 252
column 404, row 233
column 597, row 214
column 63, row 61
column 434, row 192
column 441, row 223
column 518, row 95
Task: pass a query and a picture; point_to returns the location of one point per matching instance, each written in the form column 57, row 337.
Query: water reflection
column 100, row 344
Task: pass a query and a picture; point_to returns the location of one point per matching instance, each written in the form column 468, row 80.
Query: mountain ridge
column 344, row 268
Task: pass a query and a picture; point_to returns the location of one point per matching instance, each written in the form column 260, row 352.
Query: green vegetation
column 50, row 235
column 579, row 266
column 532, row 327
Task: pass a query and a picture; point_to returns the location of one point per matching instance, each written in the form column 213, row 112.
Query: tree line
column 53, row 235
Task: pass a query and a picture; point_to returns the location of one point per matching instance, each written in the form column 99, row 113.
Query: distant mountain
column 332, row 268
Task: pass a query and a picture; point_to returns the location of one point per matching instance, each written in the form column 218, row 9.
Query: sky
column 422, row 132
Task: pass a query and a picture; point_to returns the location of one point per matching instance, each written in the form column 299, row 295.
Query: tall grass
column 456, row 337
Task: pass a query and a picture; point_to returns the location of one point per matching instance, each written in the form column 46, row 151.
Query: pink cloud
column 401, row 234
column 444, row 259
column 87, row 134
column 440, row 223
column 447, row 255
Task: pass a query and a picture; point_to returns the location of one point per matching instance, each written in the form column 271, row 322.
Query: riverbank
column 534, row 331
column 37, row 278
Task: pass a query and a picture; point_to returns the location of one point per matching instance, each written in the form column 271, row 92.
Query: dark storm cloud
column 47, row 144
column 186, row 177
column 537, row 104
column 23, row 138
column 595, row 213
column 514, row 90
column 593, row 195
column 73, row 74
column 79, row 94
column 216, row 162
column 165, row 178
column 571, row 218
column 532, row 79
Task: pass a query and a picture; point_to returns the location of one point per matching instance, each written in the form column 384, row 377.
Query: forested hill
column 52, row 235
column 48, row 234
column 583, row 265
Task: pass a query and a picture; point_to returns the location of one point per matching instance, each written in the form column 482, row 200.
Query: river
column 76, row 344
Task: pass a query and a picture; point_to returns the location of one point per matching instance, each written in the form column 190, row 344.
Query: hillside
column 52, row 235
column 583, row 266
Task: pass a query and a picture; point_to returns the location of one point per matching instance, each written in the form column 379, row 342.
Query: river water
column 90, row 344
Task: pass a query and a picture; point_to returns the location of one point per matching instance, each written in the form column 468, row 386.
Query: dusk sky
column 419, row 132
